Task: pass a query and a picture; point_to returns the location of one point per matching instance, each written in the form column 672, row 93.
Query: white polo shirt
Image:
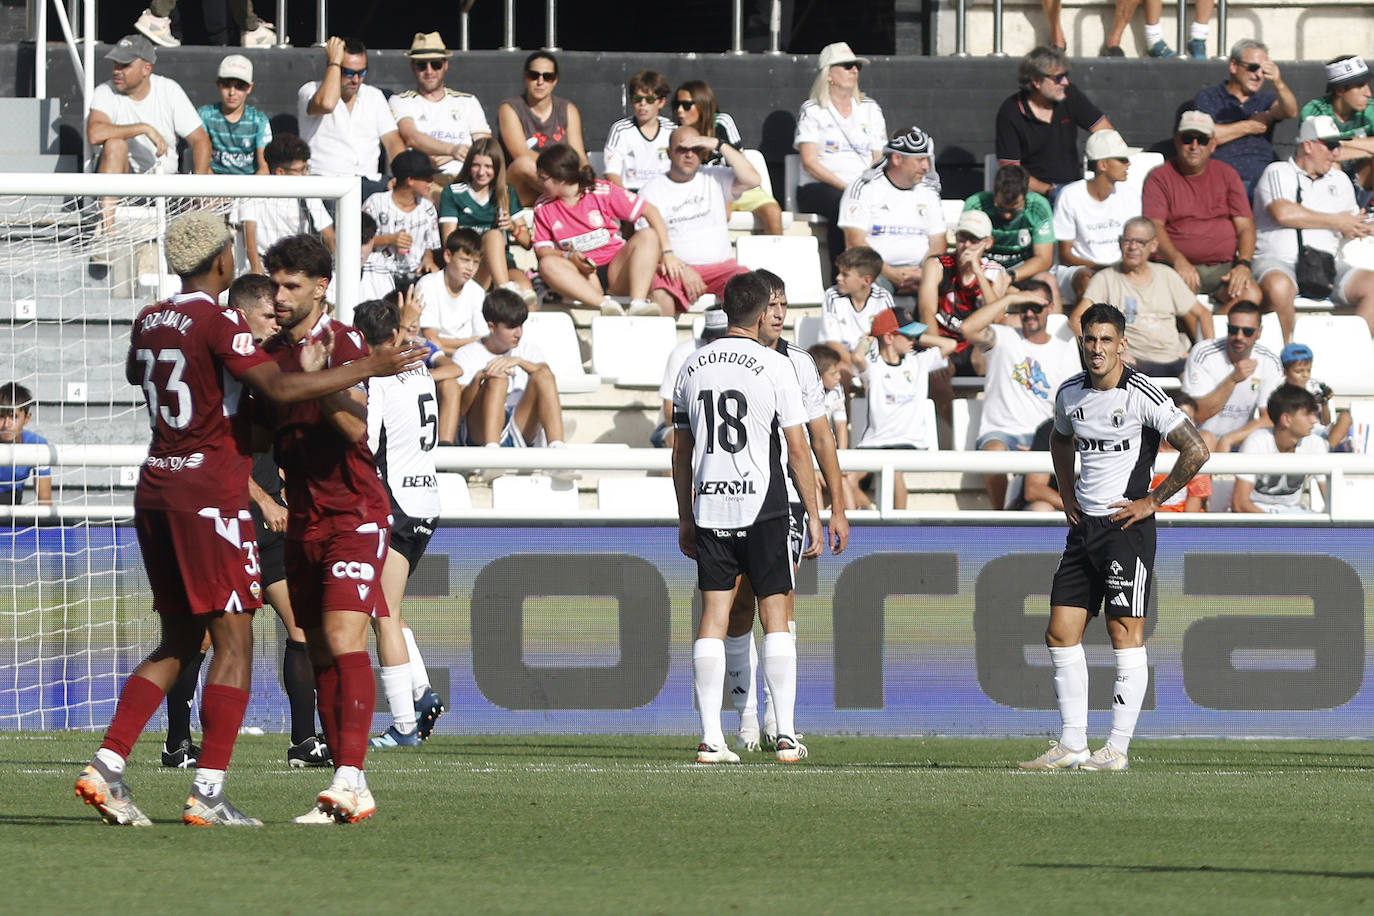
column 844, row 145
column 346, row 142
column 1208, row 364
column 1331, row 193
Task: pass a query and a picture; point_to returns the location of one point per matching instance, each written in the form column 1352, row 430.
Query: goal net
column 80, row 255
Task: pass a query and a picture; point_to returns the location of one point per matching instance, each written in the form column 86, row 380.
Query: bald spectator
column 434, row 119
column 344, row 120
column 1245, row 112
column 1202, row 216
column 1090, row 213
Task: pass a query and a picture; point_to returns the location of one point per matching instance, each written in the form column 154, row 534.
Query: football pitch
column 602, row 824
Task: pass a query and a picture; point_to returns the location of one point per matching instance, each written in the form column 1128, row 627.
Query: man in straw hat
column 438, row 121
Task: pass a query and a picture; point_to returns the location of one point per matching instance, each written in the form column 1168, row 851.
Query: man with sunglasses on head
column 438, row 121
column 1232, row 377
column 343, row 120
column 1038, row 126
column 1245, row 112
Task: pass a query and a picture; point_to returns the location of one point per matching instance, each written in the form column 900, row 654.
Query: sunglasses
column 1134, row 243
column 684, row 104
column 852, row 65
column 684, row 150
column 1060, row 78
column 423, row 65
column 1233, row 329
column 350, row 74
column 1034, row 307
column 1252, row 67
column 240, row 85
column 646, row 99
column 1332, row 145
column 1190, row 139
column 538, row 76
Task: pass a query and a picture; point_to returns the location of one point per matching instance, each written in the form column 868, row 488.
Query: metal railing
column 961, row 27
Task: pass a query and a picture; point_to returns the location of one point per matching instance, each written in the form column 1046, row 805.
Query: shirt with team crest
column 1116, row 433
column 633, row 156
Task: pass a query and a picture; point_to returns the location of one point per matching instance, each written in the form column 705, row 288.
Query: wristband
column 333, row 63
column 1241, row 262
column 1011, row 274
column 667, row 251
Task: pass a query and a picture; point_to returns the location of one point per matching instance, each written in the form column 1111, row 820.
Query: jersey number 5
column 731, row 405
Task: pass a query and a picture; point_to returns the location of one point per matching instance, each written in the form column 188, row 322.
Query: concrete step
column 30, row 127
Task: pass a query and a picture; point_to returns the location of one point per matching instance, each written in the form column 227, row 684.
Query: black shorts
column 1102, row 562
column 796, row 532
column 761, row 552
column 271, row 549
column 962, row 363
column 410, row 536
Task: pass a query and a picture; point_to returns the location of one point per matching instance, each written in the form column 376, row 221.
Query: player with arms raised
column 1113, row 417
column 731, row 398
column 191, row 358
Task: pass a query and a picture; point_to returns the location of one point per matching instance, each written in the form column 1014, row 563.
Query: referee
column 1113, row 417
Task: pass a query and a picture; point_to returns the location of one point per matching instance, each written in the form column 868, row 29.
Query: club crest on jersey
column 1118, row 417
column 1115, row 568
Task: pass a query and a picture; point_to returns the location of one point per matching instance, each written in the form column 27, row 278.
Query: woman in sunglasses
column 840, row 134
column 694, row 105
column 534, row 120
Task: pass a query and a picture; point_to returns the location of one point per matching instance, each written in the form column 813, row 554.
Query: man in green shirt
column 1347, row 103
column 1022, row 227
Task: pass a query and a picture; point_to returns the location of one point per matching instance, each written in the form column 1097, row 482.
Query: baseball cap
column 839, row 53
column 411, row 164
column 131, row 48
column 715, row 323
column 911, row 142
column 896, row 321
column 1107, row 144
column 236, row 67
column 1321, row 127
column 1198, row 122
column 428, row 46
column 976, row 223
column 1347, row 72
column 1294, row 353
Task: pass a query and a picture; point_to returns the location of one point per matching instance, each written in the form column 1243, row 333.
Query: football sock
column 327, row 686
column 1071, row 687
column 221, row 714
column 780, row 674
column 419, row 674
column 708, row 677
column 396, row 686
column 792, row 629
column 741, row 667
column 111, row 761
column 1153, row 33
column 349, row 775
column 1202, row 30
column 209, row 783
column 139, row 699
column 1132, row 677
column 180, row 699
column 298, row 678
column 357, row 699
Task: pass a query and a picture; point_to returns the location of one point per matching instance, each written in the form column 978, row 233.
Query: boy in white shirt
column 637, row 147
column 407, row 223
column 851, row 305
column 1293, row 411
column 451, row 301
column 836, row 413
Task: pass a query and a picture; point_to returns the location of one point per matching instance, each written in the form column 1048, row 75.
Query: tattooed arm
column 1192, row 454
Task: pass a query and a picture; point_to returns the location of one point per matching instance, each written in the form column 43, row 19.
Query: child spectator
column 450, row 300
column 1192, row 498
column 267, row 220
column 444, row 371
column 851, row 304
column 828, row 365
column 894, row 377
column 407, row 223
column 1297, row 370
column 510, row 398
column 16, row 402
column 637, row 147
column 238, row 132
column 481, row 200
column 1293, row 411
column 376, row 280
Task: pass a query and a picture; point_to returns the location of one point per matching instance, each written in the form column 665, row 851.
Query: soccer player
column 191, row 510
column 732, row 396
column 1113, row 417
column 337, row 529
column 402, row 430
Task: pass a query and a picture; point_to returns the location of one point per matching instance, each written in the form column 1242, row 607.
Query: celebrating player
column 190, row 510
column 1113, row 417
column 731, row 396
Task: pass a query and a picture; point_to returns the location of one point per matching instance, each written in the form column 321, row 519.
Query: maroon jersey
column 188, row 353
column 332, row 484
column 958, row 300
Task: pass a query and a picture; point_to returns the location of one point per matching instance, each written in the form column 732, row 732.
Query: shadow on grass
column 1202, row 869
column 49, row 820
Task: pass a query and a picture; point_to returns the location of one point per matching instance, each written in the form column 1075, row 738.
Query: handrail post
column 509, row 17
column 463, row 44
column 960, row 28
column 40, row 52
column 775, row 27
column 1183, row 27
column 1222, row 48
column 321, row 23
column 282, row 38
column 997, row 29
column 737, row 27
column 551, row 25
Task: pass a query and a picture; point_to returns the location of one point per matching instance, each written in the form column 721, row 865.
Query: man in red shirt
column 192, row 358
column 337, row 532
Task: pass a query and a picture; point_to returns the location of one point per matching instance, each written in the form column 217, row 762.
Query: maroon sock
column 221, row 714
column 357, row 699
column 139, row 699
column 327, row 699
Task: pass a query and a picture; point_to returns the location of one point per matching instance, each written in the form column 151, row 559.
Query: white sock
column 209, row 783
column 1153, row 33
column 780, row 674
column 1071, row 687
column 349, row 776
column 741, row 676
column 1201, row 30
column 792, row 628
column 419, row 675
column 708, row 679
column 1132, row 677
column 113, row 762
column 396, row 686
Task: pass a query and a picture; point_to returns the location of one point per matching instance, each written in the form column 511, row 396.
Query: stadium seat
column 597, row 161
column 744, row 222
column 637, row 496
column 554, row 333
column 1058, row 326
column 1342, row 351
column 951, row 209
column 791, row 178
column 990, row 167
column 795, row 258
column 807, row 332
column 453, row 493
column 968, row 414
column 632, row 351
column 1222, row 488
column 535, row 494
column 858, row 422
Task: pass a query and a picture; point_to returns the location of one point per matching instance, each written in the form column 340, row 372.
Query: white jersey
column 276, row 218
column 835, row 410
column 1094, row 226
column 1022, row 377
column 452, row 316
column 454, row 119
column 897, row 397
column 1209, row 364
column 474, row 357
column 1116, row 433
column 813, row 398
column 422, row 222
column 843, row 324
column 1278, row 492
column 1331, row 193
column 845, row 146
column 734, row 395
column 633, row 156
column 898, row 223
column 676, row 358
column 165, row 108
column 402, row 428
column 696, row 211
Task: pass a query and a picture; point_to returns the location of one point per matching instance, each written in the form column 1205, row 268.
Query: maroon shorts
column 715, row 276
column 341, row 572
column 200, row 562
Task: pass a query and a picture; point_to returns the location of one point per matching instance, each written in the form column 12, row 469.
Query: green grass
column 601, row 824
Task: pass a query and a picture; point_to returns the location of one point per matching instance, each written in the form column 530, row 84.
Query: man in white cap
column 438, row 121
column 1347, row 103
column 893, row 209
column 238, row 132
column 1089, row 214
column 1306, row 202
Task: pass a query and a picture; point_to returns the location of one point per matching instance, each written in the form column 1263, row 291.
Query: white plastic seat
column 744, row 222
column 952, row 209
column 967, row 415
column 858, row 423
column 631, row 351
column 453, row 493
column 794, row 258
column 1342, row 351
column 808, row 331
column 637, row 496
column 557, row 338
column 535, row 494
